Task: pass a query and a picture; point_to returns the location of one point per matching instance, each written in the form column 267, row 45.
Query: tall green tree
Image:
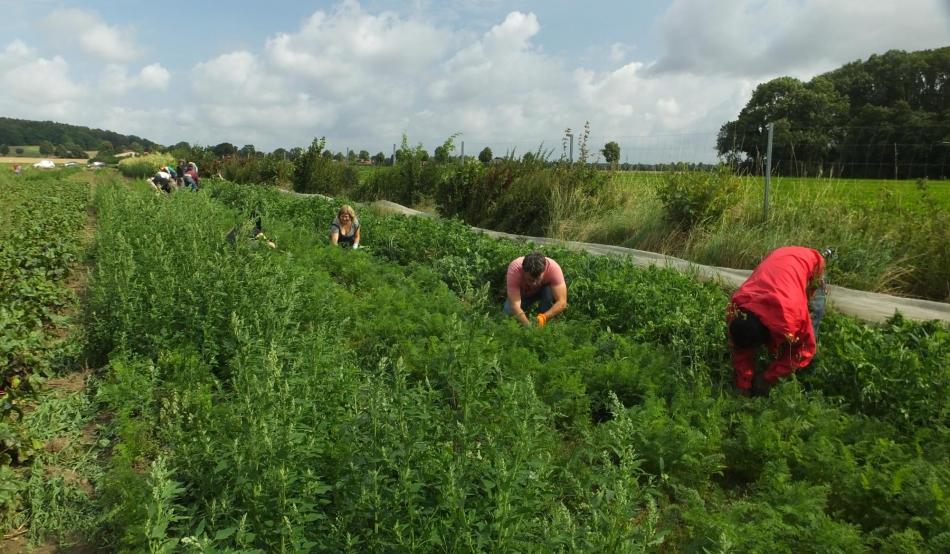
column 886, row 116
column 485, row 156
column 224, row 149
column 611, row 153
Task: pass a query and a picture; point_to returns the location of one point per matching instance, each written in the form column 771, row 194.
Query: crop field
column 315, row 399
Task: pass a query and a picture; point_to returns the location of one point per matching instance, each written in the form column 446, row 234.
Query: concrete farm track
column 869, row 306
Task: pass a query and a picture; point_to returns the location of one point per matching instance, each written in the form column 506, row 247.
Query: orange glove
column 542, row 319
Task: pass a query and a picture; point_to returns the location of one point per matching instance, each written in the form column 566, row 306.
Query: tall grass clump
column 258, row 169
column 412, row 180
column 528, row 196
column 316, row 173
column 144, row 166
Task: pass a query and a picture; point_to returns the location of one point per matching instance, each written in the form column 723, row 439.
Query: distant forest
column 886, row 117
column 60, row 138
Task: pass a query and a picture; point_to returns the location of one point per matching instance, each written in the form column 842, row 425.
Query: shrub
column 692, row 197
column 315, row 173
column 144, row 166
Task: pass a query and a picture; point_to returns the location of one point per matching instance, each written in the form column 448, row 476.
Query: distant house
column 128, row 154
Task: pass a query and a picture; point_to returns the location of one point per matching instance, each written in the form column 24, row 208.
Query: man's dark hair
column 534, row 264
column 747, row 331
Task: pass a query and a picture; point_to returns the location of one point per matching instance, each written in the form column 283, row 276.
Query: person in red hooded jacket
column 780, row 306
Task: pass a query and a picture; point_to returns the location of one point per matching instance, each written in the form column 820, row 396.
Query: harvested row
column 39, row 242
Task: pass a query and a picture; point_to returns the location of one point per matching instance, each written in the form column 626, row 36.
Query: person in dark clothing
column 180, row 170
column 256, row 233
column 779, row 306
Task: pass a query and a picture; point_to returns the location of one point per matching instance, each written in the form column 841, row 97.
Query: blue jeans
column 544, row 298
column 816, row 307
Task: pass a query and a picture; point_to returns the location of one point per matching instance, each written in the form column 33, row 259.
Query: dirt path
column 870, row 306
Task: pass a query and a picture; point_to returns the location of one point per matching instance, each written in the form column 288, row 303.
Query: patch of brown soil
column 70, row 477
column 73, row 382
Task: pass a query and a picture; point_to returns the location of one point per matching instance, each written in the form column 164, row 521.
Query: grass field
column 10, row 161
column 892, row 236
column 855, row 192
column 31, row 154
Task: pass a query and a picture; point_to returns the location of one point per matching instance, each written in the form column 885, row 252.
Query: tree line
column 64, row 140
column 885, row 117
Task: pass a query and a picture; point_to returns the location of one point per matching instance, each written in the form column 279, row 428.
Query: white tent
column 44, row 164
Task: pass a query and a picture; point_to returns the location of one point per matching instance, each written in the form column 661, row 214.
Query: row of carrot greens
column 310, row 398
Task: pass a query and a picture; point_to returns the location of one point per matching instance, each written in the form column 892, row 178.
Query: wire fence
column 853, row 154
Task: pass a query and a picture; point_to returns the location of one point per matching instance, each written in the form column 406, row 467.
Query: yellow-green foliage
column 144, row 166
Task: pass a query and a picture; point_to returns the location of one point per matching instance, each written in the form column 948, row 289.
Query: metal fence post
column 768, row 172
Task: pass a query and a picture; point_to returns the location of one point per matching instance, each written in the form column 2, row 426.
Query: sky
column 660, row 78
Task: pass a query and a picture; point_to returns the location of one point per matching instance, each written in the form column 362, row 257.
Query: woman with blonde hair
column 345, row 229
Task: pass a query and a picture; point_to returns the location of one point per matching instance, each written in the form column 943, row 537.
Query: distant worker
column 173, row 176
column 256, row 233
column 160, row 181
column 780, row 306
column 17, row 170
column 345, row 229
column 535, row 278
column 191, row 177
column 180, row 170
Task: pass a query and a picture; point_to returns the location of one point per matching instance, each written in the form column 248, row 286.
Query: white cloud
column 17, row 50
column 115, row 79
column 345, row 51
column 332, row 78
column 502, row 67
column 34, row 80
column 93, row 36
column 242, row 98
column 239, row 77
column 154, row 76
column 798, row 37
